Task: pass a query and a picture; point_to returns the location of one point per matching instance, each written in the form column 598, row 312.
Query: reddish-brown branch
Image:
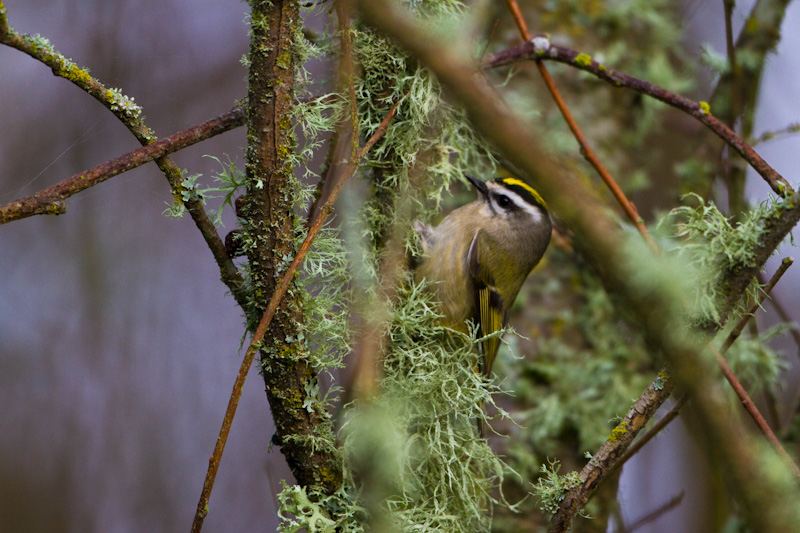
column 540, row 49
column 51, row 201
column 752, row 410
column 269, row 313
column 586, row 149
column 513, row 6
column 740, row 391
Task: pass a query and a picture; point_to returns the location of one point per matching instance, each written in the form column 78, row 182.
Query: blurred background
column 118, row 343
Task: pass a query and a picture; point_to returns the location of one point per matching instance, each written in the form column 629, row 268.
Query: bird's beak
column 479, row 185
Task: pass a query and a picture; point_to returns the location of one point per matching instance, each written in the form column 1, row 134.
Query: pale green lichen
column 550, row 487
column 122, row 104
column 712, row 247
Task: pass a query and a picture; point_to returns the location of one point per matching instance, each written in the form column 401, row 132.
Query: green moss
column 608, row 71
column 710, row 246
column 583, row 60
column 78, row 75
column 619, row 431
column 284, row 59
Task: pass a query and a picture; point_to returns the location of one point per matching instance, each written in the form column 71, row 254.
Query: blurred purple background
column 118, row 343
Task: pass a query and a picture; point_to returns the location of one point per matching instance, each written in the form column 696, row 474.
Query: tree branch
column 51, row 201
column 269, row 226
column 540, row 49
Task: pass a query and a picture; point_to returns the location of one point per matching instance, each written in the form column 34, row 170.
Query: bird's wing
column 491, row 309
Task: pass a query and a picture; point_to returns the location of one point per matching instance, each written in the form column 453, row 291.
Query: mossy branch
column 269, row 224
column 286, row 377
column 130, row 114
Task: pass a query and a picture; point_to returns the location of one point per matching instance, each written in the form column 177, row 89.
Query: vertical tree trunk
column 270, row 240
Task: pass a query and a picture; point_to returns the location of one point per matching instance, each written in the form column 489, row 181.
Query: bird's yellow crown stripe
column 520, row 183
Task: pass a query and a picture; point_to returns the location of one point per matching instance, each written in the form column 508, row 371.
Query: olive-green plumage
column 481, row 253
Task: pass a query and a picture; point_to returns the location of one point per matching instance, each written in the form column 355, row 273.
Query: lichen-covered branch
column 130, row 114
column 605, row 460
column 767, row 497
column 269, row 227
column 540, row 48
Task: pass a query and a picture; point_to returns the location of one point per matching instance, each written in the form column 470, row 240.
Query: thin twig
column 51, row 201
column 737, row 330
column 266, row 319
column 348, row 128
column 657, row 513
column 750, row 407
column 586, row 149
column 519, row 19
column 775, row 134
column 541, row 48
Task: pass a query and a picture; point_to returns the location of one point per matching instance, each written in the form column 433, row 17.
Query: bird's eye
column 503, row 201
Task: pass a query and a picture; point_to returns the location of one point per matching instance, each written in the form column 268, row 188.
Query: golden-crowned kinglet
column 481, row 253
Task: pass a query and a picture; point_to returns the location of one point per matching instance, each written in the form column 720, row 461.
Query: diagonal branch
column 51, row 201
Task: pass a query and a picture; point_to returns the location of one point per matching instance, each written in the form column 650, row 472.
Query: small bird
column 481, row 253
